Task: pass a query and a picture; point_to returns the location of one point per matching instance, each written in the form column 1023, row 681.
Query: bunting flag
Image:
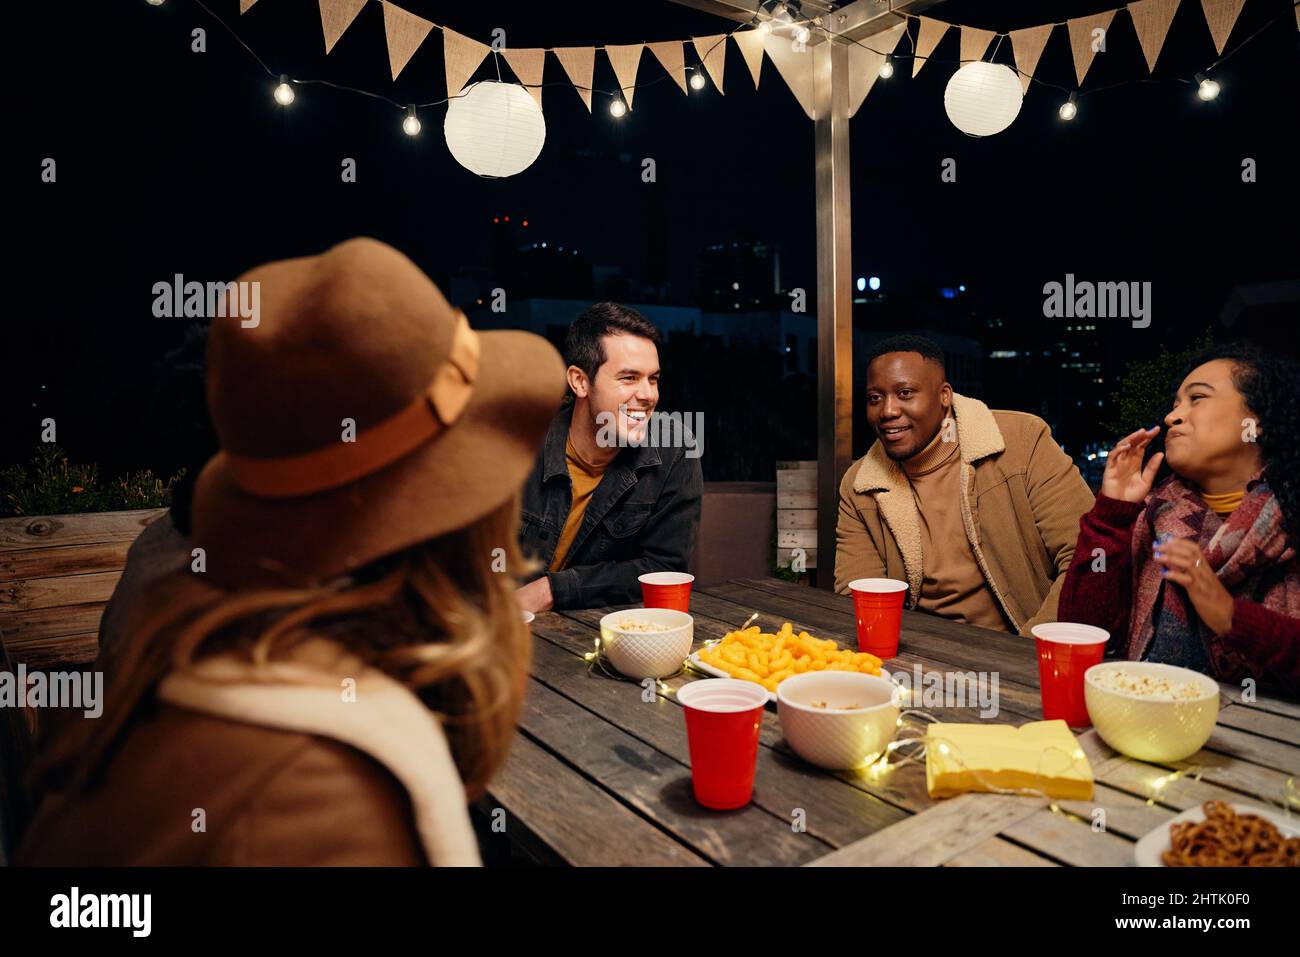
column 336, row 16
column 927, row 39
column 713, row 51
column 579, row 64
column 1220, row 15
column 865, row 63
column 672, row 57
column 405, row 32
column 528, row 66
column 1151, row 19
column 751, row 48
column 462, row 57
column 795, row 67
column 625, row 58
column 1026, row 48
column 974, row 43
column 245, row 6
column 1081, row 40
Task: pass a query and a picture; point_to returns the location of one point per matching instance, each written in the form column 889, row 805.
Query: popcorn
column 1147, row 686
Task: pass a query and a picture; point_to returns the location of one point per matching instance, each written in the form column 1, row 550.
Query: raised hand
column 1125, row 478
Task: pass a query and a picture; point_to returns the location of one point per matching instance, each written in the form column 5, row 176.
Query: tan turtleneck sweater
column 952, row 585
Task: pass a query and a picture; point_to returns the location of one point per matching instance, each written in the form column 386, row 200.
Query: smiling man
column 604, row 504
column 976, row 509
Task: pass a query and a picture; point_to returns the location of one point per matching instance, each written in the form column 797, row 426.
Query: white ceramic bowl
column 833, row 738
column 647, row 654
column 1146, row 728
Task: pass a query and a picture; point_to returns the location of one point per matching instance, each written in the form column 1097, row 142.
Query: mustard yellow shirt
column 1223, row 504
column 585, row 477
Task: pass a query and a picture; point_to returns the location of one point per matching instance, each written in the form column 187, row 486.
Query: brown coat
column 1022, row 498
column 302, row 777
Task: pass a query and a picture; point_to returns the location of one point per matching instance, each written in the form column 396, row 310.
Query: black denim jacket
column 643, row 517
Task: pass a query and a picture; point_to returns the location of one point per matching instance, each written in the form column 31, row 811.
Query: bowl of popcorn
column 840, row 720
column 647, row 642
column 1150, row 711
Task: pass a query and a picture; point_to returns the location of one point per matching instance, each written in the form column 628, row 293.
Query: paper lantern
column 495, row 129
column 983, row 98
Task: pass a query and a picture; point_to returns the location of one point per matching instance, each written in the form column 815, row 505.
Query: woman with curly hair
column 1201, row 571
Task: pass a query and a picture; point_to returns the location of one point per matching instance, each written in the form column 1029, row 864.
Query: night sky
column 171, row 161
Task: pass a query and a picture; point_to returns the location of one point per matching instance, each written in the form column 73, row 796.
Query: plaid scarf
column 1248, row 551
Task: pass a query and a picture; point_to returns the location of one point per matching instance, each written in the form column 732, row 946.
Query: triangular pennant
column 751, row 48
column 528, row 66
column 462, row 56
column 713, row 52
column 1081, row 40
column 625, row 58
column 245, row 6
column 1220, row 15
column 927, row 39
column 336, row 16
column 672, row 56
column 795, row 67
column 865, row 63
column 974, row 43
column 405, row 32
column 1151, row 19
column 1026, row 47
column 579, row 63
column 1297, row 16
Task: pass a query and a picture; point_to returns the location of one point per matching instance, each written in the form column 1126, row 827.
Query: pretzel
column 1228, row 839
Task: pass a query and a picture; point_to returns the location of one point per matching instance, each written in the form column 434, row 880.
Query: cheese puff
column 780, row 645
column 735, row 655
column 784, row 660
column 818, row 665
column 779, row 676
column 802, row 663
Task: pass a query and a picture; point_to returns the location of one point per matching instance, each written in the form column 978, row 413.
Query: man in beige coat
column 976, row 509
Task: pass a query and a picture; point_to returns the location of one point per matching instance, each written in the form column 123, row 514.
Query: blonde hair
column 434, row 616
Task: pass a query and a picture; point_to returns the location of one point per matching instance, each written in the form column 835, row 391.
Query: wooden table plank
column 998, row 852
column 59, row 592
column 659, row 787
column 51, row 530
column 558, row 811
column 1070, row 841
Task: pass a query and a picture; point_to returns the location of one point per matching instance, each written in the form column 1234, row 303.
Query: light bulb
column 411, row 125
column 1068, row 111
column 617, row 107
column 284, row 92
column 765, row 28
column 154, row 3
column 801, row 34
column 887, row 68
column 1208, row 89
column 697, row 81
column 781, row 14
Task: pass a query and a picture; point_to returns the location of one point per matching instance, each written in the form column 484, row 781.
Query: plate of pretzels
column 1219, row 834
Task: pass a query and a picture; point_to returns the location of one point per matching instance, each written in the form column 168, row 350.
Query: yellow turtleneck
column 1225, row 503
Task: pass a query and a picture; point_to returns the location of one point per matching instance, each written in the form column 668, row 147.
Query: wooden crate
column 796, row 511
column 57, row 572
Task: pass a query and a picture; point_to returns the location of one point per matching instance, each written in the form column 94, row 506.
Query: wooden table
column 600, row 776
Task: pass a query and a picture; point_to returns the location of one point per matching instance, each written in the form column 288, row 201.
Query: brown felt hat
column 359, row 415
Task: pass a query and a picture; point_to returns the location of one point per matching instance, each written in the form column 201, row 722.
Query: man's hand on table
column 536, row 595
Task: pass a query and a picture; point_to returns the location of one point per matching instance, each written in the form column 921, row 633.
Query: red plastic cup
column 666, row 590
column 723, row 717
column 1065, row 651
column 878, row 607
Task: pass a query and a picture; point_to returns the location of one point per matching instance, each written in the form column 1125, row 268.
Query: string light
column 765, row 28
column 411, row 125
column 154, row 3
column 1206, row 89
column 1070, row 108
column 697, row 80
column 801, row 34
column 617, row 108
column 284, row 92
column 887, row 68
